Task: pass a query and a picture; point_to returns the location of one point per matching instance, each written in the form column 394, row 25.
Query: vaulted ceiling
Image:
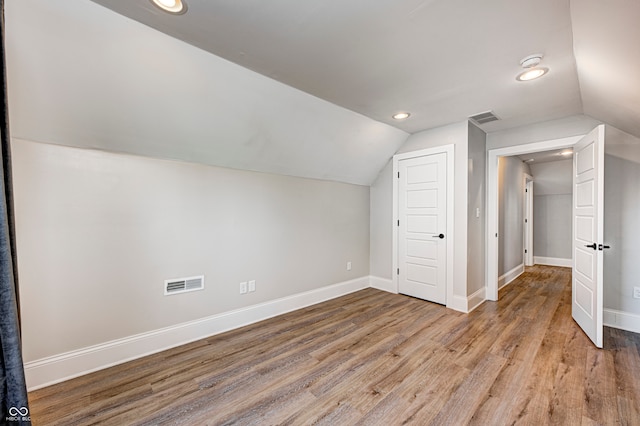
column 442, row 60
column 307, row 88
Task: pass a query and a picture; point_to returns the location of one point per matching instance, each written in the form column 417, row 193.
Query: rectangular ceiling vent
column 183, row 285
column 484, row 117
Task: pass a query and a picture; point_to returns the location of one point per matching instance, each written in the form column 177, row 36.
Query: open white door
column 588, row 231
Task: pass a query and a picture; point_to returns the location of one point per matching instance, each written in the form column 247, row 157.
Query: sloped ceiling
column 81, row 75
column 442, row 60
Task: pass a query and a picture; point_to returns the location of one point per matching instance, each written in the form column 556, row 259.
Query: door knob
column 593, row 246
column 441, row 236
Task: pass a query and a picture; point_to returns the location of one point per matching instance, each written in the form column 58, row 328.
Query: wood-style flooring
column 375, row 358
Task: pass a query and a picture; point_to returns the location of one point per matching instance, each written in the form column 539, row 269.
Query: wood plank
column 372, row 357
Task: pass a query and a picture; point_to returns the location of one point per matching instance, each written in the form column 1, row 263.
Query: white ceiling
column 545, row 156
column 442, row 60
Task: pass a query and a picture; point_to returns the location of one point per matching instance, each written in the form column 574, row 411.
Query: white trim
column 553, row 261
column 458, row 303
column 449, row 149
column 508, row 277
column 476, row 299
column 528, row 226
column 384, row 284
column 492, row 199
column 54, row 369
column 621, row 320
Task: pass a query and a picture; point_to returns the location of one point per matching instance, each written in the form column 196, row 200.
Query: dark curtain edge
column 14, row 408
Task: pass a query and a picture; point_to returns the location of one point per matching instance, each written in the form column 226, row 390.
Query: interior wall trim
column 58, row 368
column 511, row 275
column 552, row 261
column 384, row 284
column 622, row 320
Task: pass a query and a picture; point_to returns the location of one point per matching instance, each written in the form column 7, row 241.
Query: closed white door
column 588, row 230
column 422, row 224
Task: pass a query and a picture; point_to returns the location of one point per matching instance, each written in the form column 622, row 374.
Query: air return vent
column 183, row 285
column 484, row 117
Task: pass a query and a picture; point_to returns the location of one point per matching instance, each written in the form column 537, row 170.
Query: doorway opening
column 493, row 225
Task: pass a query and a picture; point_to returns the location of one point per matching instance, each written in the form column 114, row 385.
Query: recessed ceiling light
column 401, row 116
column 532, row 74
column 177, row 7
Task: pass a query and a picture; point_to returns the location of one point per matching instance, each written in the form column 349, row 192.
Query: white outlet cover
column 243, row 287
column 348, row 266
column 252, row 286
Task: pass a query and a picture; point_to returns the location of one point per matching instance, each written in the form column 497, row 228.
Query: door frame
column 528, row 226
column 450, row 151
column 492, row 200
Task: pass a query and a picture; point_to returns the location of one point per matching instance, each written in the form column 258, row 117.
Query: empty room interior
column 367, row 212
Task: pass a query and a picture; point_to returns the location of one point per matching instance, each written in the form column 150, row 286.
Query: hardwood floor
column 375, row 358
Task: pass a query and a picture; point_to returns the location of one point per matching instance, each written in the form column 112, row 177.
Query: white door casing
column 588, row 233
column 422, row 224
column 492, row 200
column 528, row 225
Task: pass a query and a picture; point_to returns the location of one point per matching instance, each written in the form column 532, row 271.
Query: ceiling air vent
column 484, row 117
column 183, row 285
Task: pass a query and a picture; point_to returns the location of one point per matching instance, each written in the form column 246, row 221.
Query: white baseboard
column 383, row 284
column 552, row 261
column 458, row 303
column 476, row 299
column 622, row 320
column 508, row 277
column 58, row 368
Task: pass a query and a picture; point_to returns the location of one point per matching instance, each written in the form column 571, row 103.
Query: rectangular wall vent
column 183, row 285
column 484, row 117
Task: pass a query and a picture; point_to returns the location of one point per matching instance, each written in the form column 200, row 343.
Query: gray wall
column 511, row 172
column 381, row 232
column 548, row 130
column 622, row 232
column 98, row 233
column 552, row 208
column 476, row 248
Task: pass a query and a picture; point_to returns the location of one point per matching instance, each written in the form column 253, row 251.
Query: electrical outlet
column 252, row 286
column 243, row 287
column 348, row 266
column 636, row 292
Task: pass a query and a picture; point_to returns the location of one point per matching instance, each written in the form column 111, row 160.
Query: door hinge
column 398, row 222
column 525, row 250
column 526, row 220
column 398, row 271
column 398, row 175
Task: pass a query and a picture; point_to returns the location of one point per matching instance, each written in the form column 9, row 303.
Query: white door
column 422, row 224
column 588, row 230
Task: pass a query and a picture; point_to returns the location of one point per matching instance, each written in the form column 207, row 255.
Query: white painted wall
column 552, row 209
column 98, row 233
column 381, row 232
column 621, row 221
column 476, row 244
column 81, row 75
column 456, row 134
column 511, row 185
column 547, row 130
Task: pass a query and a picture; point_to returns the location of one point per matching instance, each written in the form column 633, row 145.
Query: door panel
column 588, row 230
column 422, row 218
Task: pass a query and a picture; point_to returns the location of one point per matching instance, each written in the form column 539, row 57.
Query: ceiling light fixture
column 401, row 116
column 176, row 7
column 567, row 153
column 532, row 71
